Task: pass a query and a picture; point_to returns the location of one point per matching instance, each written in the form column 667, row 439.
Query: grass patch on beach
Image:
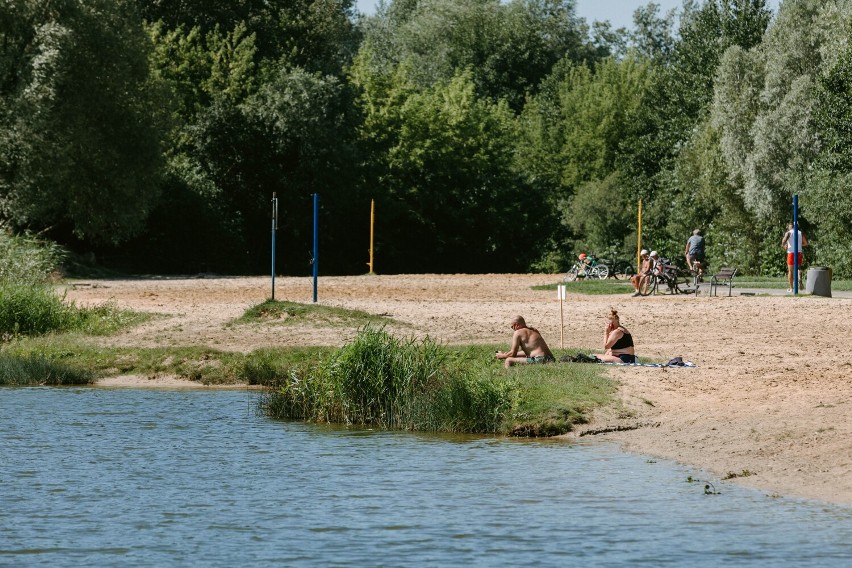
column 29, row 305
column 292, row 312
column 780, row 283
column 556, row 397
column 591, row 287
column 35, row 309
column 387, row 382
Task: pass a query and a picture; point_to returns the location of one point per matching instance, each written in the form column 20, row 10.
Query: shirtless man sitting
column 528, row 340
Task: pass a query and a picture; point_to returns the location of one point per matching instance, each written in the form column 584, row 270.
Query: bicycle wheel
column 601, row 271
column 681, row 283
column 627, row 270
column 571, row 275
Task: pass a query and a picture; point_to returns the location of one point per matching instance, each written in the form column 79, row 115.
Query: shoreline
column 770, row 396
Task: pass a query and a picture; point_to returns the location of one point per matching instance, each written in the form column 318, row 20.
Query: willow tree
column 764, row 108
column 80, row 119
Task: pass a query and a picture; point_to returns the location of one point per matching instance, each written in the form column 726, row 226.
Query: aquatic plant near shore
column 36, row 370
column 393, row 383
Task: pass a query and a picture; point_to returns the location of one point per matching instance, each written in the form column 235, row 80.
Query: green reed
column 35, row 370
column 384, row 381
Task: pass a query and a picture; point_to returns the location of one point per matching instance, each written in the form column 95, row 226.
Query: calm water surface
column 97, row 477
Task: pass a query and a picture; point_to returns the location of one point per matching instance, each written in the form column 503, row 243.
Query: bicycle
column 697, row 272
column 590, row 269
column 666, row 278
column 618, row 267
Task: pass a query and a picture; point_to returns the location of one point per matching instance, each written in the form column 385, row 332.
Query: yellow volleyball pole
column 372, row 231
column 561, row 319
column 639, row 239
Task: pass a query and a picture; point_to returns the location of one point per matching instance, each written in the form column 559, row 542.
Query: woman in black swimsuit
column 618, row 342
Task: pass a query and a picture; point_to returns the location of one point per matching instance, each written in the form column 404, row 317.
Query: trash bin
column 819, row 281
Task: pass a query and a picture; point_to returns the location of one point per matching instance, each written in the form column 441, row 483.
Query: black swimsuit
column 626, row 340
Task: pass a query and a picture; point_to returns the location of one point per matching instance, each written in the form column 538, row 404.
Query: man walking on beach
column 528, row 340
column 788, row 243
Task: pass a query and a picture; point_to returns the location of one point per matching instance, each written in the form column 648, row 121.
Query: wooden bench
column 725, row 277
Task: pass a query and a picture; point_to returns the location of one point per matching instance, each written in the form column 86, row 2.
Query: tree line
column 493, row 136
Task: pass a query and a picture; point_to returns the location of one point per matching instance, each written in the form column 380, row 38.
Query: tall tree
column 80, row 119
column 508, row 47
column 450, row 196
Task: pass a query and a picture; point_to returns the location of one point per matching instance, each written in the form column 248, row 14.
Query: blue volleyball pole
column 316, row 243
column 274, row 228
column 795, row 244
column 795, row 237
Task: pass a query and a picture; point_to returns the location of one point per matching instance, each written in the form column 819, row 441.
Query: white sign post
column 560, row 292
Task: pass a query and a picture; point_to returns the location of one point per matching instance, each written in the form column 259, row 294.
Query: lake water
column 100, row 477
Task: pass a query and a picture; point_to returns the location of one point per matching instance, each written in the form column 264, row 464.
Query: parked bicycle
column 618, row 268
column 587, row 266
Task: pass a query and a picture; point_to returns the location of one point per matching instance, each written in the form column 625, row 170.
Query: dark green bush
column 391, row 383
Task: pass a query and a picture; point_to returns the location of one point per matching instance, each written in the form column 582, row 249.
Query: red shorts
column 790, row 259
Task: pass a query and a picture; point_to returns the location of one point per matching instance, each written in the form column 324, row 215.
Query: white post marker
column 560, row 292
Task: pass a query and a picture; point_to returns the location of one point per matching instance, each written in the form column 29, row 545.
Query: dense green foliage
column 493, row 136
column 383, row 381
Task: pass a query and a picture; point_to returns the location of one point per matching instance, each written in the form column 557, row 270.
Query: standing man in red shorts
column 788, row 243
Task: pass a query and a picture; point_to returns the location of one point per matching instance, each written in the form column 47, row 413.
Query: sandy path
column 771, row 396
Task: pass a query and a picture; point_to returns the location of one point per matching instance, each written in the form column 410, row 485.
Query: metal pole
column 639, row 240
column 561, row 318
column 274, row 228
column 316, row 243
column 372, row 225
column 795, row 237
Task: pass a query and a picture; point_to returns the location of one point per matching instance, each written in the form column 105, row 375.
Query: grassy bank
column 383, row 381
column 200, row 364
column 377, row 380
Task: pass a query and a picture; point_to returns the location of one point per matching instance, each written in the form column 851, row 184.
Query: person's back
column 532, row 343
column 695, row 246
column 529, row 341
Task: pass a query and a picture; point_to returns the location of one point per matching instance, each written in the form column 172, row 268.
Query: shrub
column 26, row 260
column 391, row 383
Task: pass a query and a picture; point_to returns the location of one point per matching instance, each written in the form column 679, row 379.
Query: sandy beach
column 771, row 397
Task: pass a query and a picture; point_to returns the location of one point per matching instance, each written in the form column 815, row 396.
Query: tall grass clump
column 35, row 370
column 27, row 260
column 388, row 382
column 27, row 304
column 30, row 306
column 32, row 310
